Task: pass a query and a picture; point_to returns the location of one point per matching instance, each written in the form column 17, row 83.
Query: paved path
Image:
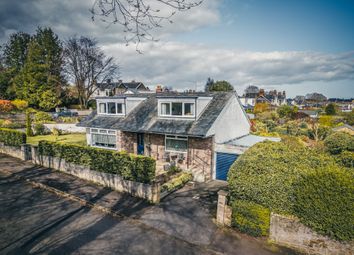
column 34, row 220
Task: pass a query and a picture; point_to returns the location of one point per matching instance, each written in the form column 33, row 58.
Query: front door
column 140, row 144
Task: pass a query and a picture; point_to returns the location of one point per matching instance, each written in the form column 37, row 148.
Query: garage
column 223, row 163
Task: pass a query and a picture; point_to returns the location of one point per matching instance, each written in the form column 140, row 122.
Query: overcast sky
column 299, row 46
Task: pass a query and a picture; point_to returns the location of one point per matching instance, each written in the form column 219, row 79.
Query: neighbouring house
column 116, row 88
column 190, row 130
column 253, row 95
column 311, row 113
column 344, row 128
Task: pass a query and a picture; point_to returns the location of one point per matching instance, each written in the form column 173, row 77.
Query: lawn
column 77, row 138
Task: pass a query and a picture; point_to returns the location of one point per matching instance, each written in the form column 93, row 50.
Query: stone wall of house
column 289, row 231
column 128, row 142
column 200, row 157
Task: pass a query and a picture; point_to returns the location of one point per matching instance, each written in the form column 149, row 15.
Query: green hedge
column 12, row 137
column 130, row 167
column 289, row 178
column 324, row 201
column 250, row 218
column 346, row 159
column 266, row 172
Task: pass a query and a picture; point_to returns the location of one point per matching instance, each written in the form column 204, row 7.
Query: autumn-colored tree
column 5, row 106
column 261, row 107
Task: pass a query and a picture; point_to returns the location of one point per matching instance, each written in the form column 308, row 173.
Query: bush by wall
column 289, row 178
column 266, row 172
column 130, row 167
column 250, row 218
column 324, row 201
column 177, row 182
column 12, row 137
column 338, row 142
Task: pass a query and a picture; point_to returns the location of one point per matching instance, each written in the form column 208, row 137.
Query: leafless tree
column 139, row 17
column 86, row 65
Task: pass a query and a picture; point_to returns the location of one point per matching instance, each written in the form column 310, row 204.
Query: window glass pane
column 108, row 141
column 103, row 131
column 189, row 109
column 177, row 109
column 176, row 145
column 102, row 108
column 165, row 109
column 94, row 130
column 111, row 108
column 111, row 132
column 119, row 108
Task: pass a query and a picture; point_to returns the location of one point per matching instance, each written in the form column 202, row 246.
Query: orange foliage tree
column 6, row 106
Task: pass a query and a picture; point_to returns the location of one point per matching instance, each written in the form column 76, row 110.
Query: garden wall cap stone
column 223, row 192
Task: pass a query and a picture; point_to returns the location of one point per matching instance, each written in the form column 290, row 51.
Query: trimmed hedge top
column 12, row 137
column 130, row 167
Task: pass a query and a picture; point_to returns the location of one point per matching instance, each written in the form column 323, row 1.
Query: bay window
column 176, row 143
column 103, row 138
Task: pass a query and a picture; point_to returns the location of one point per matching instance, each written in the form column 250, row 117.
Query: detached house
column 186, row 129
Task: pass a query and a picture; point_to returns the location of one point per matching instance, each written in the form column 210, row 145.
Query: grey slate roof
column 144, row 117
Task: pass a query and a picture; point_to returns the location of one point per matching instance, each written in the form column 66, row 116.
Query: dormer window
column 177, row 109
column 111, row 108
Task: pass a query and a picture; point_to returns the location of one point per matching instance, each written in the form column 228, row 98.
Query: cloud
column 69, row 17
column 186, row 66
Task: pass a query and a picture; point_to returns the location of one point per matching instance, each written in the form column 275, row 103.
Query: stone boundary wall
column 23, row 152
column 289, row 231
column 150, row 192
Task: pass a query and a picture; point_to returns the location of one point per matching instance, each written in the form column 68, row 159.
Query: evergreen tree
column 221, row 86
column 15, row 51
column 208, row 84
column 39, row 82
column 330, row 109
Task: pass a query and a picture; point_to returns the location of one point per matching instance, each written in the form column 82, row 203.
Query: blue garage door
column 223, row 163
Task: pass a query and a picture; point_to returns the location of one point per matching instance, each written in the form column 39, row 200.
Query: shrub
column 250, row 218
column 324, row 201
column 130, row 167
column 266, row 172
column 57, row 131
column 40, row 129
column 42, row 117
column 20, row 104
column 12, row 137
column 338, row 142
column 29, row 131
column 345, row 158
column 6, row 106
column 177, row 182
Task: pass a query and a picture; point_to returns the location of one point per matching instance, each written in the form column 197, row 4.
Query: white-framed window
column 103, row 138
column 111, row 108
column 177, row 109
column 176, row 143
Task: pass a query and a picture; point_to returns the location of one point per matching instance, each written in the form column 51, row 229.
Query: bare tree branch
column 87, row 65
column 139, row 17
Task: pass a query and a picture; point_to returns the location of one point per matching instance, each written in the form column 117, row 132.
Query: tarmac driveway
column 35, row 221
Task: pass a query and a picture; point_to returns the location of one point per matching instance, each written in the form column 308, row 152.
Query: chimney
column 261, row 92
column 120, row 81
column 158, row 89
